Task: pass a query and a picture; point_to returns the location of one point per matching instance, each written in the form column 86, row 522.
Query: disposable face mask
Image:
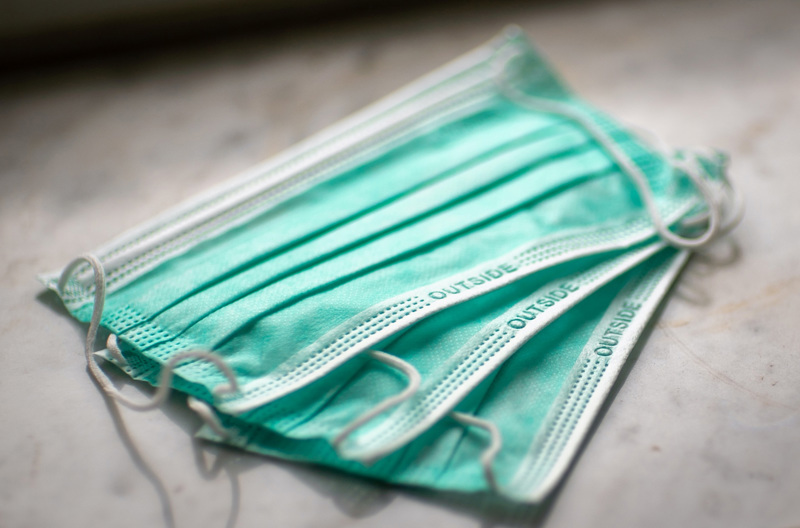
column 338, row 404
column 482, row 175
column 331, row 411
column 519, row 446
column 385, row 318
column 305, row 408
column 280, row 315
column 245, row 273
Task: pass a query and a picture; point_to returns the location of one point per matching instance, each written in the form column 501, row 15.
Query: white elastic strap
column 113, row 348
column 692, row 168
column 490, row 453
column 735, row 200
column 207, row 414
column 165, row 378
column 414, row 380
column 635, row 174
column 737, row 207
column 732, row 210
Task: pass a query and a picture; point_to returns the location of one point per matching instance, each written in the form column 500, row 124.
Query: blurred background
column 112, row 111
column 38, row 31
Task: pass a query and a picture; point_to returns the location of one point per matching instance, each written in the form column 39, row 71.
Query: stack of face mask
column 438, row 291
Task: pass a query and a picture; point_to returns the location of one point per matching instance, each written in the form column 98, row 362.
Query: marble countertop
column 705, row 431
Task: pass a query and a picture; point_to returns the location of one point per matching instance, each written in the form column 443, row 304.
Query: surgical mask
column 370, row 226
column 302, row 416
column 520, row 446
column 338, row 404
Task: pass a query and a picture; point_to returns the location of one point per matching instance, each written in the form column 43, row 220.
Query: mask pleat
column 430, row 256
column 404, row 215
column 339, row 201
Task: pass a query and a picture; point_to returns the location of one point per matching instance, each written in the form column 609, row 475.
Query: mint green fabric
column 414, row 245
column 323, row 408
column 451, row 197
column 455, row 359
column 528, row 399
column 454, row 196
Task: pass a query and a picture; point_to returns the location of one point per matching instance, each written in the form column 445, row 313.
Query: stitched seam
column 560, row 430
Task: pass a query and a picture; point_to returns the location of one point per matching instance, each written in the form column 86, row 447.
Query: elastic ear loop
column 735, row 200
column 635, row 174
column 713, row 215
column 414, row 380
column 167, row 371
column 201, row 408
column 730, row 218
column 207, row 414
column 490, row 452
column 732, row 208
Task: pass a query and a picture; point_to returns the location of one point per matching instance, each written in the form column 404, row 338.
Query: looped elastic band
column 490, row 452
column 731, row 205
column 414, row 380
column 506, row 53
column 207, row 414
column 167, row 371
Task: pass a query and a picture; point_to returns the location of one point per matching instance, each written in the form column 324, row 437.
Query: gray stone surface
column 704, row 432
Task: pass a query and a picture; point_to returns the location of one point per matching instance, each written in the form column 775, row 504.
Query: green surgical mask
column 517, row 447
column 266, row 296
column 342, row 401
